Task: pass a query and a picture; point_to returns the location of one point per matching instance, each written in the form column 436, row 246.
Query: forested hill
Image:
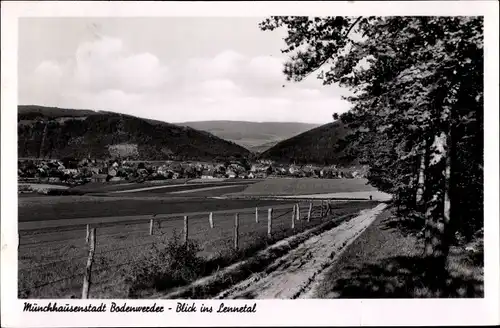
column 322, row 145
column 56, row 132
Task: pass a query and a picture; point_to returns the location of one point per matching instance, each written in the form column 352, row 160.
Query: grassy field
column 70, row 207
column 173, row 188
column 304, row 186
column 60, row 256
column 386, row 262
column 105, row 187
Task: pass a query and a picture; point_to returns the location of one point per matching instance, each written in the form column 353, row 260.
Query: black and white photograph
column 267, row 157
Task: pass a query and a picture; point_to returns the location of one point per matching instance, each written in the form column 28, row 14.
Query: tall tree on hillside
column 416, row 87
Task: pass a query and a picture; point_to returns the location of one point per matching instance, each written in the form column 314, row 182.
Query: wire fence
column 63, row 264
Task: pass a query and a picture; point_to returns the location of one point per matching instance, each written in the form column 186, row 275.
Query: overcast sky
column 171, row 69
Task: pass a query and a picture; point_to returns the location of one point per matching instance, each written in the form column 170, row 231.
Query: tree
column 416, row 86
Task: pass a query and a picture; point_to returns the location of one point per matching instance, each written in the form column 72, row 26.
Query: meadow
column 52, row 261
column 304, row 186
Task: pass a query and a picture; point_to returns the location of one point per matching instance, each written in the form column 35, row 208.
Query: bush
column 171, row 264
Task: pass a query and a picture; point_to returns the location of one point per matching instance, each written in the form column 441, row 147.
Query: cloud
column 48, row 70
column 105, row 74
column 106, row 64
column 220, row 88
column 225, row 64
column 267, row 67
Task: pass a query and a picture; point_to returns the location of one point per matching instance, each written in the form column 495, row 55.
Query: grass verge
column 385, row 262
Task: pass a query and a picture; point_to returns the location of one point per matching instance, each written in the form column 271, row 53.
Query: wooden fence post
column 293, row 217
column 88, row 269
column 236, row 230
column 185, row 230
column 88, row 234
column 211, row 219
column 256, row 215
column 309, row 212
column 298, row 212
column 269, row 222
column 151, row 222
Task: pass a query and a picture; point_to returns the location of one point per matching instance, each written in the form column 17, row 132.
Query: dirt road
column 296, row 274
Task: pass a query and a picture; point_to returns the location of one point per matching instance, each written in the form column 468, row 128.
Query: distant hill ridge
column 59, row 132
column 255, row 136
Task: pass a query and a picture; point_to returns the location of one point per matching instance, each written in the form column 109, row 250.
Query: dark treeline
column 417, row 117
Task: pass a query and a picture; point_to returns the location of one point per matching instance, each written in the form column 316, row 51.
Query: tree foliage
column 417, row 92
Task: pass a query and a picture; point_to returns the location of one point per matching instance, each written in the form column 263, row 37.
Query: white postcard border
column 269, row 312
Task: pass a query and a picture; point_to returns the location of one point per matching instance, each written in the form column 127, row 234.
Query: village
column 76, row 172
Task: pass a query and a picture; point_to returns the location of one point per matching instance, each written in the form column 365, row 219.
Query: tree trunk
column 437, row 216
column 421, row 177
column 437, row 225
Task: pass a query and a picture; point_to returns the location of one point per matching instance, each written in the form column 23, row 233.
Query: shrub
column 171, row 264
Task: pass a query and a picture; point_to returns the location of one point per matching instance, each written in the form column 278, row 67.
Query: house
column 230, row 173
column 260, row 168
column 293, row 169
column 220, row 168
column 95, row 170
column 308, row 170
column 207, row 174
column 260, row 175
column 237, row 168
column 251, row 175
column 281, row 170
column 162, row 170
column 70, row 171
column 83, row 162
column 99, row 178
column 325, row 172
column 348, row 175
column 176, row 167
